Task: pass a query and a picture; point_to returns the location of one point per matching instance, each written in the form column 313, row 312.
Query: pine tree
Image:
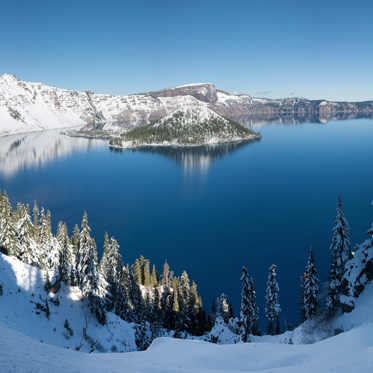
column 177, row 321
column 166, row 274
column 137, row 313
column 246, row 312
column 123, row 303
column 92, row 285
column 195, row 308
column 156, row 319
column 184, row 300
column 311, row 289
column 27, row 250
column 255, row 308
column 153, row 278
column 222, row 308
column 7, row 229
column 36, row 231
column 272, row 305
column 66, row 254
column 340, row 248
column 146, row 273
column 138, row 271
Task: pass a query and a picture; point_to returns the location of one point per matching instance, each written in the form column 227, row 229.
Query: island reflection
column 192, row 157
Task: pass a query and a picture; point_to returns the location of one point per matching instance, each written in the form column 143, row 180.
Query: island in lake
column 186, row 126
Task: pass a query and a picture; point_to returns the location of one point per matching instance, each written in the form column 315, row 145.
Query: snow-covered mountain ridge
column 26, row 106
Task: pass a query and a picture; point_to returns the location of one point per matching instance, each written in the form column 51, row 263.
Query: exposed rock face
column 359, row 273
column 28, row 106
column 202, row 92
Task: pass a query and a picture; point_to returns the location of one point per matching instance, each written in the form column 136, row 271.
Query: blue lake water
column 208, row 210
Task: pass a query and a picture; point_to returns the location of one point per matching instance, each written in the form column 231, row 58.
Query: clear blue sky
column 267, row 48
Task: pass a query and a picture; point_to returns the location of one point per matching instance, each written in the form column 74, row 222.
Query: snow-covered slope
column 28, row 106
column 350, row 352
column 32, row 343
column 23, row 287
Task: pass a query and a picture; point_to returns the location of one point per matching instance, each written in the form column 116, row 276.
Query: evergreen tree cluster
column 155, row 303
column 152, row 302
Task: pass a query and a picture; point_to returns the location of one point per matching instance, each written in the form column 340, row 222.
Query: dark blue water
column 208, row 210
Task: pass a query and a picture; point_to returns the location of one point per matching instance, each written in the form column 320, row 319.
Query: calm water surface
column 208, row 210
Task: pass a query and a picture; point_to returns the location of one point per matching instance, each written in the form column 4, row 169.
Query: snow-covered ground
column 23, row 287
column 33, row 343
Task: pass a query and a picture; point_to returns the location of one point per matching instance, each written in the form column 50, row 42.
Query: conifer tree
column 146, row 273
column 272, row 305
column 195, row 309
column 123, row 303
column 311, row 289
column 246, row 312
column 153, row 278
column 138, row 271
column 93, row 285
column 66, row 254
column 222, row 308
column 7, row 231
column 166, row 274
column 26, row 246
column 156, row 324
column 255, row 308
column 137, row 314
column 340, row 249
column 36, row 232
column 177, row 322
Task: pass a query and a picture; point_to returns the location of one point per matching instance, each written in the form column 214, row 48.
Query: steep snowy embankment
column 23, row 287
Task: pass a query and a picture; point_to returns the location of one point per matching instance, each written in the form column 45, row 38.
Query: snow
column 23, row 284
column 29, row 342
column 346, row 353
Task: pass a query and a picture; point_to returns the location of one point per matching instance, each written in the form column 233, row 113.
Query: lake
column 208, row 210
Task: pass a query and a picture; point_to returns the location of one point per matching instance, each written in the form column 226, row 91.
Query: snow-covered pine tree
column 27, row 250
column 7, row 228
column 66, row 254
column 50, row 248
column 222, row 308
column 104, row 259
column 176, row 320
column 157, row 322
column 142, row 336
column 36, row 230
column 123, row 303
column 246, row 311
column 109, row 267
column 184, row 301
column 137, row 313
column 340, row 249
column 92, row 285
column 311, row 289
column 74, row 240
column 272, row 305
column 195, row 308
column 255, row 308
